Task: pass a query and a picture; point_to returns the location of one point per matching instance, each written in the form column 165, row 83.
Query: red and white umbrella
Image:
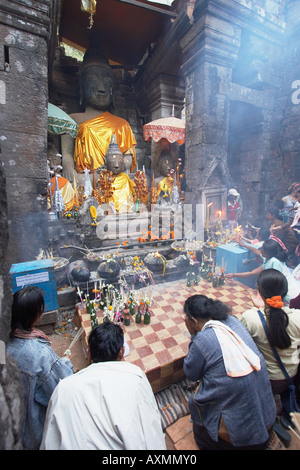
column 170, row 128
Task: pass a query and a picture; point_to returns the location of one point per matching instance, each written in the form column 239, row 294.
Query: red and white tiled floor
column 160, row 347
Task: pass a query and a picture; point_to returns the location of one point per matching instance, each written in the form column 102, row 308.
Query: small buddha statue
column 121, row 186
column 64, row 186
column 165, row 180
column 96, row 123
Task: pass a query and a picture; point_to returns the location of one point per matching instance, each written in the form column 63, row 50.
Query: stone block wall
column 288, row 103
column 240, row 61
column 23, row 131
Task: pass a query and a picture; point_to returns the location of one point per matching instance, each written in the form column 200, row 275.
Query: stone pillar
column 289, row 101
column 161, row 86
column 210, row 50
column 233, row 65
column 23, row 129
column 166, row 95
column 11, row 391
column 24, row 31
column 166, row 98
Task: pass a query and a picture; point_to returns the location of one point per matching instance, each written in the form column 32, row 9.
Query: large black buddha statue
column 96, row 123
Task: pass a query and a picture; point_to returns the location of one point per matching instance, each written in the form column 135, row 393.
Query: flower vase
column 126, row 317
column 147, row 317
column 127, row 320
column 138, row 316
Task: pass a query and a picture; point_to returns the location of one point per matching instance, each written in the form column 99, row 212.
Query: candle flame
column 210, row 204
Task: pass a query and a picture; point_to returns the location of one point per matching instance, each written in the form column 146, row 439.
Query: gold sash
column 165, row 185
column 94, row 137
column 123, row 189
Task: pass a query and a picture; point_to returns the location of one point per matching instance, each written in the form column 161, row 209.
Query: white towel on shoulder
column 239, row 359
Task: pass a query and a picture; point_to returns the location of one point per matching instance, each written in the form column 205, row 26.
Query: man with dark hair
column 106, row 343
column 107, row 406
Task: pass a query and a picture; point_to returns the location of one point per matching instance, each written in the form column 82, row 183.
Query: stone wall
column 240, row 60
column 24, row 83
column 24, row 27
column 288, row 102
column 11, row 395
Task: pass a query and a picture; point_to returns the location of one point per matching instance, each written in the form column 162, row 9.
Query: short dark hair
column 105, row 342
column 264, row 233
column 274, row 250
column 201, row 307
column 28, row 304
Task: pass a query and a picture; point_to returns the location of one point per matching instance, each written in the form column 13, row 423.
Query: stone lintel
column 236, row 92
column 210, row 40
column 245, row 14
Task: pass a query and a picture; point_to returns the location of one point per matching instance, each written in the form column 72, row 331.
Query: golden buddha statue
column 96, row 123
column 121, row 190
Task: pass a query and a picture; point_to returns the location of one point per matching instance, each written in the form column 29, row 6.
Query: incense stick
column 76, row 338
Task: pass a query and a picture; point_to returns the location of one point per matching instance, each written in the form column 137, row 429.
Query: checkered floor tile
column 159, row 348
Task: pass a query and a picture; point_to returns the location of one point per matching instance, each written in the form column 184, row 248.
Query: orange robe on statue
column 67, row 192
column 94, row 137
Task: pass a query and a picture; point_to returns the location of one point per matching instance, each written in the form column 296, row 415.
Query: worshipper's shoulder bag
column 288, row 399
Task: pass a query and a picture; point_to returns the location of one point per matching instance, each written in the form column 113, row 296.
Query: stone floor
column 179, row 436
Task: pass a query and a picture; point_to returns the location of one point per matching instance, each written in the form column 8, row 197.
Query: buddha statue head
column 165, row 164
column 114, row 159
column 96, row 78
column 128, row 159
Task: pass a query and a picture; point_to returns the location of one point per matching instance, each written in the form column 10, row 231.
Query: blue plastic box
column 236, row 259
column 36, row 273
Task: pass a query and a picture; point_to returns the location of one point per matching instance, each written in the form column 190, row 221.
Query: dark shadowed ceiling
column 126, row 28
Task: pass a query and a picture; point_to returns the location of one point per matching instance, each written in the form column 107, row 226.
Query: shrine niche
column 96, row 122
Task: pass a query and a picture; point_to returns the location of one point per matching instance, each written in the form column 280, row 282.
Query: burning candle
column 238, row 230
column 220, row 215
column 207, row 221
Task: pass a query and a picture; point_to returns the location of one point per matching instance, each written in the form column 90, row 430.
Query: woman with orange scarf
column 284, row 330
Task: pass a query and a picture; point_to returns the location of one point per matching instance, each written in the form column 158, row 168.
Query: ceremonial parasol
column 170, row 128
column 60, row 122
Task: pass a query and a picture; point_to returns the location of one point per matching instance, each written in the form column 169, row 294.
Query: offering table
column 159, row 348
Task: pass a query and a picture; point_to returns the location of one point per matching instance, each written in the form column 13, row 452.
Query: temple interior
column 146, row 148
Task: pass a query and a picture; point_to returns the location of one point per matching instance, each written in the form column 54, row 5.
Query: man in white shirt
column 109, row 405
